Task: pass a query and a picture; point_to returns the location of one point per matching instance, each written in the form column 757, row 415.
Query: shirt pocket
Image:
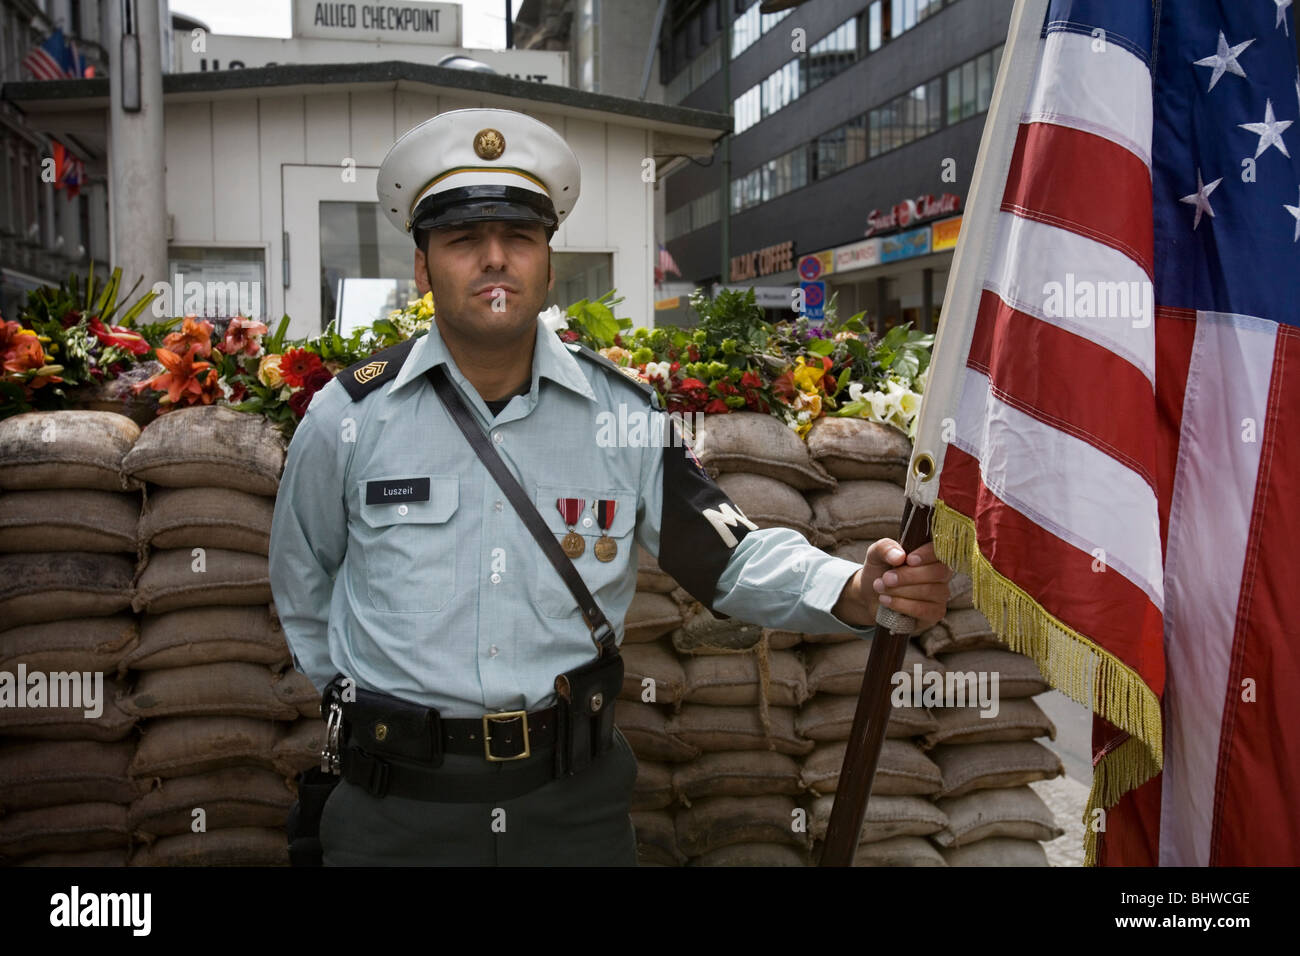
column 409, row 547
column 550, row 594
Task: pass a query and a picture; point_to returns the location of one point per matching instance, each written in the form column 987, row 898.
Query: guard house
column 270, row 180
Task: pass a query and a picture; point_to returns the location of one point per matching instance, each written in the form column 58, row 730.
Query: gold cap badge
column 369, row 371
column 489, row 144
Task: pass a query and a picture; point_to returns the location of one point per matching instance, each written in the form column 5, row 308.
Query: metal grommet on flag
column 923, row 466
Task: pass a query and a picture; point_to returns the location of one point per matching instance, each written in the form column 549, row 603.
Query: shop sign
column 905, row 245
column 762, row 262
column 857, row 255
column 911, row 211
column 405, row 22
column 943, row 234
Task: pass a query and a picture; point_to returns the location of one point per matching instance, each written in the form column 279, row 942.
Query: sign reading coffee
column 411, row 21
column 911, row 211
column 762, row 262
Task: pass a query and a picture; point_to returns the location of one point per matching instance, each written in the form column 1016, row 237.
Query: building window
column 875, row 26
column 970, row 85
column 832, row 54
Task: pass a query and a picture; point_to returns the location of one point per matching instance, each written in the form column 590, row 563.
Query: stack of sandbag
column 67, row 559
column 225, row 722
column 955, row 777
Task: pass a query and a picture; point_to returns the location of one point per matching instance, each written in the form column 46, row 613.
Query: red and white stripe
column 42, row 65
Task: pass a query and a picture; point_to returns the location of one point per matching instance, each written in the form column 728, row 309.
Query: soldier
column 470, row 674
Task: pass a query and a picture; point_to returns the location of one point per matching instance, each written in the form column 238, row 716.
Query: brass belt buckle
column 487, row 736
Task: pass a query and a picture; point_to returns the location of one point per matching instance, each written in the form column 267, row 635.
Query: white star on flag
column 1269, row 132
column 1201, row 198
column 1281, row 15
column 1294, row 211
column 1224, row 60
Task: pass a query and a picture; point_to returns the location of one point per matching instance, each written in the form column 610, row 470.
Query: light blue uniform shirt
column 450, row 601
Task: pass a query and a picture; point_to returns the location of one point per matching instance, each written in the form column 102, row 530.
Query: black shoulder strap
column 365, row 376
column 602, row 632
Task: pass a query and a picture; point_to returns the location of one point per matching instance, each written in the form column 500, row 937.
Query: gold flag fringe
column 1073, row 664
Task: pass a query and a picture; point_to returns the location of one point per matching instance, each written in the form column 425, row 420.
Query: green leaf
column 842, row 381
column 821, row 346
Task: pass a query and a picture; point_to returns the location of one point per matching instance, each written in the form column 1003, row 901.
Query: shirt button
column 496, row 578
column 496, row 506
column 498, row 437
column 402, row 509
column 586, row 522
column 492, row 651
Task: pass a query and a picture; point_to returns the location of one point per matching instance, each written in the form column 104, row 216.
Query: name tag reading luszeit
column 397, row 491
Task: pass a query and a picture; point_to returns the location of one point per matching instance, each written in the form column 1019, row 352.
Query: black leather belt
column 494, row 737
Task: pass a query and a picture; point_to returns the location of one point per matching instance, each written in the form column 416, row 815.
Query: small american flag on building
column 1112, row 409
column 56, row 58
column 665, row 264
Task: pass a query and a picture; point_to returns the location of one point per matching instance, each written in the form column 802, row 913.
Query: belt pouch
column 585, row 704
column 392, row 727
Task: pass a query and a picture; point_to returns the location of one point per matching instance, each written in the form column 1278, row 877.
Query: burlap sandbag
column 969, row 767
column 230, row 688
column 299, row 746
column 66, row 449
column 1019, row 719
column 830, row 717
column 1018, row 675
column 739, row 773
column 1012, row 812
column 716, row 729
column 898, row 851
column 753, row 854
column 207, row 635
column 70, row 723
column 838, row 668
column 74, row 519
column 45, row 773
column 649, row 617
column 961, row 630
column 770, row 503
column 293, row 688
column 782, row 640
column 176, row 578
column 887, row 816
column 89, row 858
column 233, row 797
column 645, row 727
column 656, row 663
column 902, row 770
column 960, row 592
column 181, row 746
column 95, row 644
column 861, row 509
column 653, row 789
column 71, row 828
column 857, row 448
column 705, row 633
column 998, row 851
column 656, row 838
column 237, row 846
column 207, row 518
column 715, row 822
column 758, row 444
column 649, row 576
column 745, row 679
column 57, row 585
column 209, row 446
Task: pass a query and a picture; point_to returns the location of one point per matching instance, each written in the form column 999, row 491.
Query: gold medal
column 606, row 548
column 573, row 544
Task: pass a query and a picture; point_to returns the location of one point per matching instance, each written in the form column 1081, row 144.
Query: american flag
column 69, row 171
column 56, row 58
column 665, row 264
column 1117, row 370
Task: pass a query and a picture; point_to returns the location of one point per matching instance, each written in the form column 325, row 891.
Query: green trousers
column 580, row 820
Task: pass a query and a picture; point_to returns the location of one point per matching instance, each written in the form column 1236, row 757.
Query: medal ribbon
column 569, row 509
column 604, row 509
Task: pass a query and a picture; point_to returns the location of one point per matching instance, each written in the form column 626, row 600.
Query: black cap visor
column 482, row 204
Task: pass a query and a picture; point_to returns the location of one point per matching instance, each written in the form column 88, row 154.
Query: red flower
column 717, row 407
column 194, row 338
column 672, row 369
column 297, row 365
column 784, row 387
column 242, row 336
column 751, row 380
column 238, row 392
column 317, row 378
column 570, row 335
column 70, row 318
column 299, row 401
column 691, row 384
column 133, row 342
column 725, row 388
column 693, row 353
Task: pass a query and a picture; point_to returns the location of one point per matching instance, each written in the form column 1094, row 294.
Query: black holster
column 585, row 703
column 303, row 823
